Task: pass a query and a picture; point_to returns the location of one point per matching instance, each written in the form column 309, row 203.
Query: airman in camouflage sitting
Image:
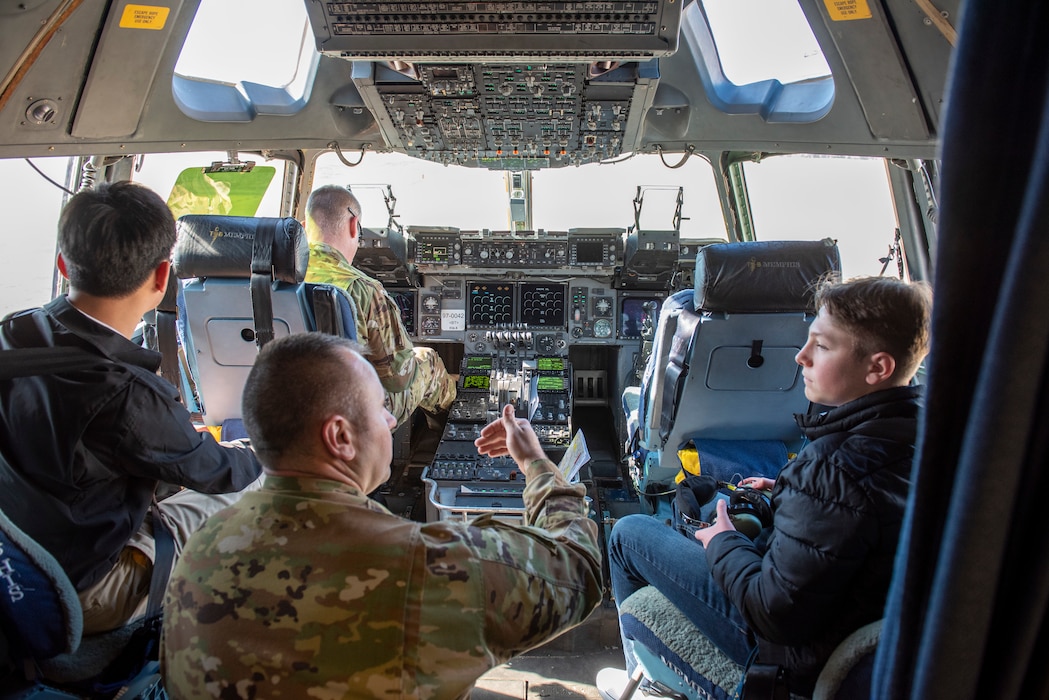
column 411, row 376
column 307, row 588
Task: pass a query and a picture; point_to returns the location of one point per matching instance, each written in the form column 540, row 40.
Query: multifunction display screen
column 550, row 384
column 634, row 312
column 589, row 252
column 479, row 362
column 477, row 381
column 406, row 305
column 524, row 304
column 490, row 304
column 550, row 364
column 543, row 305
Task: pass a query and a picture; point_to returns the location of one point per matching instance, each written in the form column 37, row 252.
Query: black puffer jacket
column 85, row 448
column 838, row 508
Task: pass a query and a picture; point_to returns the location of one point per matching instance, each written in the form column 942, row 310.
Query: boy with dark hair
column 838, row 506
column 84, row 449
column 112, row 238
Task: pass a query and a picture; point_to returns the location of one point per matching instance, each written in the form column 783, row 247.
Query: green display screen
column 478, row 363
column 555, row 364
column 476, row 382
column 551, row 383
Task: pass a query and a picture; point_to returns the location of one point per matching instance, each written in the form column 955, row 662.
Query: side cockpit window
column 266, row 66
column 759, row 57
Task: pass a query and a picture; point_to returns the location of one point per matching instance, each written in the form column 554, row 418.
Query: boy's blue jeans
column 643, row 551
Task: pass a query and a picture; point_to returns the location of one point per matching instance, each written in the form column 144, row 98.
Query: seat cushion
column 39, row 609
column 673, row 651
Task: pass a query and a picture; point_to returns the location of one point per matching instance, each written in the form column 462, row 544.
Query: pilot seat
column 721, row 382
column 242, row 287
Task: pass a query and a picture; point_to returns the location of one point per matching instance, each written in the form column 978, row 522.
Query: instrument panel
column 516, row 303
column 508, row 116
column 540, row 389
column 403, row 30
column 531, row 251
column 437, row 248
column 516, row 292
column 521, row 305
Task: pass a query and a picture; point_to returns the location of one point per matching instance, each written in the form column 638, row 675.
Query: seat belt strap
column 262, row 280
column 163, row 559
column 676, row 371
column 326, row 311
column 167, row 335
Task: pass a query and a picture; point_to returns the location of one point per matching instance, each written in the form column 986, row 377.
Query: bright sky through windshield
column 28, row 262
column 762, row 39
column 213, row 50
column 757, row 40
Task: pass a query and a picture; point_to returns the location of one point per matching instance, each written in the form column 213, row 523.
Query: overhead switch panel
column 509, row 116
column 587, row 30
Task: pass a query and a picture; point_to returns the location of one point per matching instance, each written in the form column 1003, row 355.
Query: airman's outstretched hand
column 510, row 436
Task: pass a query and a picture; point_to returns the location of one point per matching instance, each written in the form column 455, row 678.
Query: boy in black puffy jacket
column 838, row 506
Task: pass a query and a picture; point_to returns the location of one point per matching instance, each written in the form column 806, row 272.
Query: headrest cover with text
column 762, row 276
column 222, row 246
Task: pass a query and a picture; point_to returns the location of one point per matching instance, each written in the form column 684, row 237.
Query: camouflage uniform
column 411, row 376
column 307, row 588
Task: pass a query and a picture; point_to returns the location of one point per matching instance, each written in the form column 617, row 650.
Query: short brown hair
column 883, row 314
column 330, row 205
column 297, row 381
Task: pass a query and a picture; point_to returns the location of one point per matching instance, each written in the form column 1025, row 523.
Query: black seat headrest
column 223, row 246
column 762, row 276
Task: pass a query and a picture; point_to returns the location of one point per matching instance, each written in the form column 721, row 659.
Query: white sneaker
column 611, row 682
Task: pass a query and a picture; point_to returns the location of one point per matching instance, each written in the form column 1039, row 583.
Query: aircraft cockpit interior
column 608, row 214
column 552, row 322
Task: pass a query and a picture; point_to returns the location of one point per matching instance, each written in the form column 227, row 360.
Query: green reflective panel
column 226, row 193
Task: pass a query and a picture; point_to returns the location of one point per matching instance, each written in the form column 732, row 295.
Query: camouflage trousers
column 432, row 389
